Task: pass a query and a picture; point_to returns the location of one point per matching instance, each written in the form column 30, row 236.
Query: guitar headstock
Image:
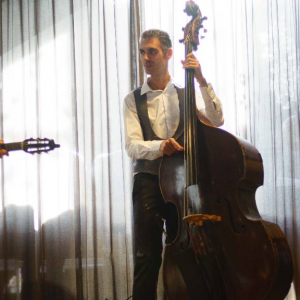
column 38, row 145
column 191, row 30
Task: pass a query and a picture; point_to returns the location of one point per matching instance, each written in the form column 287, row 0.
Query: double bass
column 223, row 249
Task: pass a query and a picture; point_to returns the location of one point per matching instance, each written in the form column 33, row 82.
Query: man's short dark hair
column 163, row 37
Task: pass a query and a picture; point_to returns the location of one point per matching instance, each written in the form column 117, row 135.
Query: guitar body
column 248, row 258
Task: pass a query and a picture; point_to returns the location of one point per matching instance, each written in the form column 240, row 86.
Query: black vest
column 145, row 165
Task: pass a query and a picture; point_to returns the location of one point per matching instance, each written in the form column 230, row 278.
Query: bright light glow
column 30, row 180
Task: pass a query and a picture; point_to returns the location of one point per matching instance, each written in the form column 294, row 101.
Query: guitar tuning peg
column 205, row 30
column 202, row 37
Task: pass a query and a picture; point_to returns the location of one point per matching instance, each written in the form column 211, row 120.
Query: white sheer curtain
column 65, row 217
column 65, row 224
column 251, row 55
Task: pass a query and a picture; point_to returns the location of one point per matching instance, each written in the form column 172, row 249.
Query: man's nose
column 145, row 56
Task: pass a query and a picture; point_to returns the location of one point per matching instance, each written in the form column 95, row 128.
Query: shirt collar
column 146, row 88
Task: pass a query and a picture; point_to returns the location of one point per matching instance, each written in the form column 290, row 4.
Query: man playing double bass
column 153, row 117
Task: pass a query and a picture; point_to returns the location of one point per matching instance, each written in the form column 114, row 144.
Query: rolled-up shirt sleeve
column 209, row 106
column 135, row 145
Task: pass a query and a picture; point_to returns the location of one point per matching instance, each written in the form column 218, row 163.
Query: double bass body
column 248, row 258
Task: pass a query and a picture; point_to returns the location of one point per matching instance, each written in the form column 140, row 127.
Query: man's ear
column 169, row 53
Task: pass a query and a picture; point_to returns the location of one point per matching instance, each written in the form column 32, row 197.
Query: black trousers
column 150, row 211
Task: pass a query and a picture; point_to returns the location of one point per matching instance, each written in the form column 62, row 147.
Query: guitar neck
column 12, row 146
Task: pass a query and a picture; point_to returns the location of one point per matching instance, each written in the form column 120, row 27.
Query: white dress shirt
column 164, row 114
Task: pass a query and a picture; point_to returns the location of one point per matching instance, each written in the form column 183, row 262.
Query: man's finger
column 176, row 145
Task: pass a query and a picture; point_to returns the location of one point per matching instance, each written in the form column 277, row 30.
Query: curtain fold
column 137, row 73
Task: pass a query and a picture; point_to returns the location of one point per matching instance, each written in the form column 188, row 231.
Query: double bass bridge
column 199, row 219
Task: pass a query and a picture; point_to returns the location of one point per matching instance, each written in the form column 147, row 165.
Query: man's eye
column 152, row 51
column 142, row 52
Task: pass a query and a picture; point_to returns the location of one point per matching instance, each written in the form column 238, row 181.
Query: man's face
column 154, row 60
